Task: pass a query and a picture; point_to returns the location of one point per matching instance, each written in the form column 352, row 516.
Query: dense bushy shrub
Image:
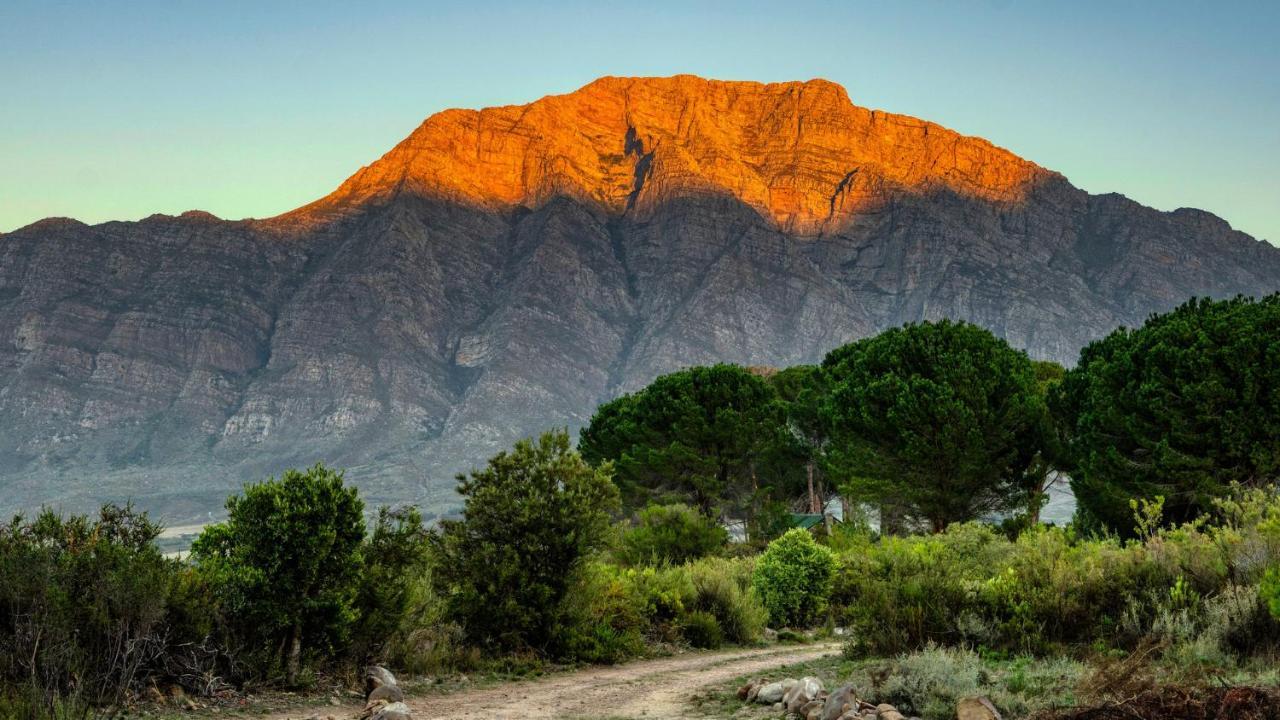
column 604, row 619
column 1270, row 591
column 83, row 606
column 531, row 518
column 929, row 683
column 793, row 578
column 395, row 556
column 724, row 589
column 702, row 630
column 284, row 567
column 1194, row 587
column 671, row 534
column 613, row 613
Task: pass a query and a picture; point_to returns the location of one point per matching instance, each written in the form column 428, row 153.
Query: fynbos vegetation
column 620, row 549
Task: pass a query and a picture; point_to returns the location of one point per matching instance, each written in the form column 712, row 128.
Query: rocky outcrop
column 503, row 271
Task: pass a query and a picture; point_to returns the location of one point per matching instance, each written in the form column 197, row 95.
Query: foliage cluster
column 83, row 606
column 670, row 534
column 793, row 577
column 1179, row 408
column 1198, row 588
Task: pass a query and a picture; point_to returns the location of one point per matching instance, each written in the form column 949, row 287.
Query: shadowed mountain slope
column 504, row 270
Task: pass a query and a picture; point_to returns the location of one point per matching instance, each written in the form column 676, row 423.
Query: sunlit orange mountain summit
column 503, row 271
column 799, row 153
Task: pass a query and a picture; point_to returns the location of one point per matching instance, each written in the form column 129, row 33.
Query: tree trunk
column 293, row 663
column 891, row 519
column 813, row 498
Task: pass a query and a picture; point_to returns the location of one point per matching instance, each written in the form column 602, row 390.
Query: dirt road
column 650, row 689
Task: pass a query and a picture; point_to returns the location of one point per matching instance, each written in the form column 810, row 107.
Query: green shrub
column 793, row 578
column 1269, row 591
column 426, row 642
column 723, row 588
column 1191, row 587
column 284, row 567
column 394, row 558
column 929, row 683
column 672, row 534
column 532, row 516
column 605, row 617
column 701, row 630
column 82, row 610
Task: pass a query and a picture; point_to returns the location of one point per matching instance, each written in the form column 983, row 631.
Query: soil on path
column 660, row 689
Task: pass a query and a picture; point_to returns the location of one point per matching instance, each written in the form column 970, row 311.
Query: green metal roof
column 805, row 520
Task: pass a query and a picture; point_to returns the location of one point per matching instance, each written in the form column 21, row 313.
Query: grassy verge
column 930, row 682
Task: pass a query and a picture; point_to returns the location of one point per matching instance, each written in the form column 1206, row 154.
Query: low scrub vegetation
column 622, row 550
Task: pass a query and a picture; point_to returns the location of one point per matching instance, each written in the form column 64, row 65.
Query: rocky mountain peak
column 503, row 271
column 799, row 153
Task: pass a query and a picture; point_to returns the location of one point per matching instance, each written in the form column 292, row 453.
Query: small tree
column 793, row 578
column 530, row 518
column 671, row 534
column 286, row 562
column 941, row 420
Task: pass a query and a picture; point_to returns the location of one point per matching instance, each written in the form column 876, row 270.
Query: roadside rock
column 387, row 693
column 976, row 708
column 811, row 710
column 773, row 692
column 839, row 702
column 376, row 676
column 885, row 711
column 802, row 692
column 392, row 711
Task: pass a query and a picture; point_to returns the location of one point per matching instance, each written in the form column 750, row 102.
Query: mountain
column 502, row 271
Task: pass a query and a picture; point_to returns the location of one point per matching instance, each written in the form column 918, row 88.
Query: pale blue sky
column 118, row 110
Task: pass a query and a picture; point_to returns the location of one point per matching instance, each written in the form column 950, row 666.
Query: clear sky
column 116, row 110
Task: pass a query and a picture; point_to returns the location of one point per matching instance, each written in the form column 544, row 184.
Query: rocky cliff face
column 504, row 270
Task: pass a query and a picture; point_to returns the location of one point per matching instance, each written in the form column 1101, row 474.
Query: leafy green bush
column 82, row 610
column 604, row 619
column 1192, row 587
column 531, row 519
column 671, row 534
column 662, row 595
column 427, row 643
column 723, row 588
column 613, row 613
column 702, row 630
column 793, row 578
column 393, row 559
column 284, row 567
column 1269, row 591
column 929, row 683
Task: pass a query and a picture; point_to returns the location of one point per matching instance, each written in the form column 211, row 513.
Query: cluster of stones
column 383, row 699
column 806, row 699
